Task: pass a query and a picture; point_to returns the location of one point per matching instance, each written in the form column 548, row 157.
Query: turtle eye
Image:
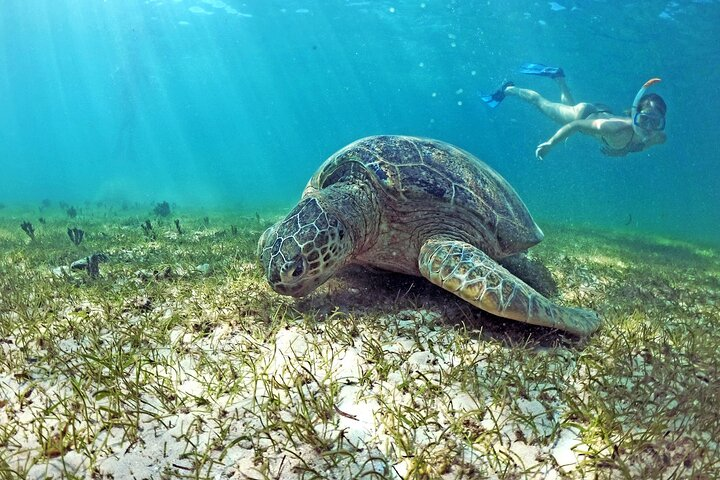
column 299, row 268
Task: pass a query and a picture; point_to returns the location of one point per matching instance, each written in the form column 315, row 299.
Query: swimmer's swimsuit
column 598, row 110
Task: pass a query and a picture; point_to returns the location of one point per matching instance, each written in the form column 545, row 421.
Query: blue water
column 235, row 103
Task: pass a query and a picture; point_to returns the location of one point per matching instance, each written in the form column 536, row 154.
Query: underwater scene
column 346, row 239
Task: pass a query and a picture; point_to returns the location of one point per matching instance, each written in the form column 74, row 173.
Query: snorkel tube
column 640, row 94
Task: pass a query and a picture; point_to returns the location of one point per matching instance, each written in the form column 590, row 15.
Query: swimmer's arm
column 589, row 127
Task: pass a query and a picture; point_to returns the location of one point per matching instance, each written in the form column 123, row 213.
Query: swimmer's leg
column 560, row 112
column 565, row 96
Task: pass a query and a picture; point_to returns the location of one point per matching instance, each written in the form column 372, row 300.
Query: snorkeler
column 620, row 135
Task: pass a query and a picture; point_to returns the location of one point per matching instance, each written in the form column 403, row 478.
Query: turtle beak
column 297, row 290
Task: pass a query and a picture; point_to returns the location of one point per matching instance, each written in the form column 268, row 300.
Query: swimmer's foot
column 494, row 100
column 542, row 70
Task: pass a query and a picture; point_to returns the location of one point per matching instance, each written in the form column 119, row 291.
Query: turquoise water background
column 235, row 103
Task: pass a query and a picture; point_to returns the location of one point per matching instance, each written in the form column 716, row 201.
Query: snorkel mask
column 647, row 121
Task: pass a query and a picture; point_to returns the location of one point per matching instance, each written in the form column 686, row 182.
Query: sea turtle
column 420, row 207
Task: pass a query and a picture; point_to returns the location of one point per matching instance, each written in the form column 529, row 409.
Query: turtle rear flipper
column 473, row 276
column 531, row 272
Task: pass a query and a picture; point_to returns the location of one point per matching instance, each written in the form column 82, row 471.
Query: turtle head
column 302, row 251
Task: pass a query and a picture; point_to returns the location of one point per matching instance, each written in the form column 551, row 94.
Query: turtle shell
column 436, row 187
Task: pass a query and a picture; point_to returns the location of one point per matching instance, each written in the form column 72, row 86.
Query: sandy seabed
column 178, row 361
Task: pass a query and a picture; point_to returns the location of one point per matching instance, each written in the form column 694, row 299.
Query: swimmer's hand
column 542, row 150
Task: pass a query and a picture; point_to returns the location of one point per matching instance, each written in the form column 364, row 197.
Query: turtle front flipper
column 473, row 276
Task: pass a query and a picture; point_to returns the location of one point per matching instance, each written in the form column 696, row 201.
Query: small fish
column 556, row 7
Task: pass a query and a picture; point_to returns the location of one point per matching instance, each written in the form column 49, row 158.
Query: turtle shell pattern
column 426, row 188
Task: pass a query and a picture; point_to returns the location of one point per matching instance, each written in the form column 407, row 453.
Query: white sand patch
column 384, row 402
column 400, row 345
column 72, row 463
column 564, row 449
column 541, row 422
column 424, row 362
column 527, row 454
column 288, row 343
column 357, row 415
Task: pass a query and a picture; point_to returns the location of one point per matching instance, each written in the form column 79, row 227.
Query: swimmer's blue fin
column 541, row 70
column 494, row 100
